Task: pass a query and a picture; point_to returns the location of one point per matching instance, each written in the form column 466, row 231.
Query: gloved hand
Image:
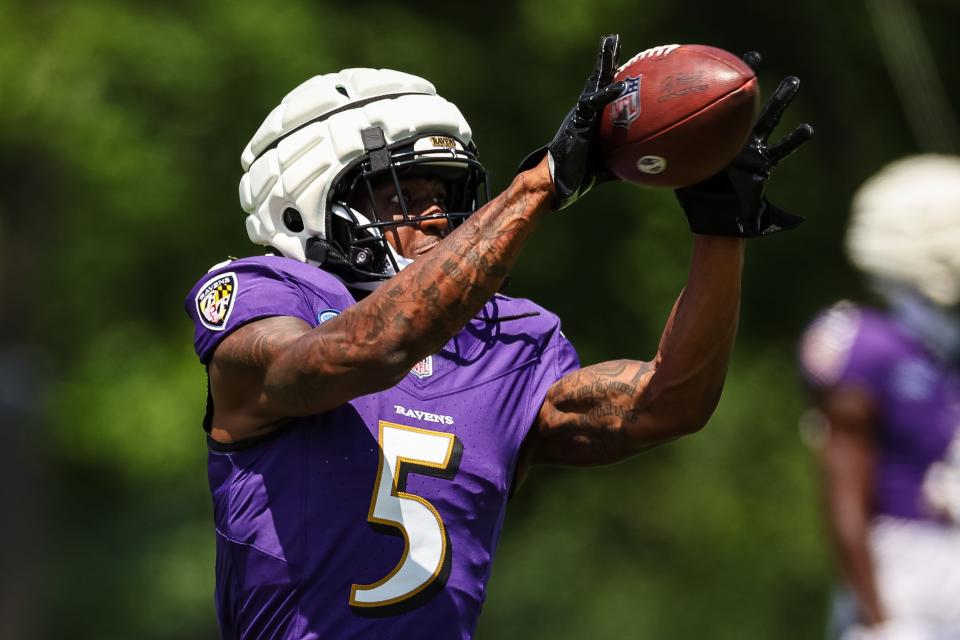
column 570, row 156
column 731, row 203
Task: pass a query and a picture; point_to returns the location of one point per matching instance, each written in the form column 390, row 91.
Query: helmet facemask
column 356, row 246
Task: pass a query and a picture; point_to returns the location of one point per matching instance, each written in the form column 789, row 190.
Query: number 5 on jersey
column 426, row 548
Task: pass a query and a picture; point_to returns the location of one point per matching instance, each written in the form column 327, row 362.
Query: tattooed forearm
column 429, row 301
column 612, row 410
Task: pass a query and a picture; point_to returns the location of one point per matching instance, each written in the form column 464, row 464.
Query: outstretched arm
column 279, row 367
column 609, row 411
column 612, row 410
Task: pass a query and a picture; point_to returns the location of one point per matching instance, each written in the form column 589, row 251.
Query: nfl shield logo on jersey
column 627, row 107
column 215, row 300
column 424, row 368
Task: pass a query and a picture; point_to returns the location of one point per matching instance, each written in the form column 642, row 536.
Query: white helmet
column 328, row 138
column 905, row 226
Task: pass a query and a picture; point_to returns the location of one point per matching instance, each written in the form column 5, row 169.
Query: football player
column 373, row 399
column 887, row 383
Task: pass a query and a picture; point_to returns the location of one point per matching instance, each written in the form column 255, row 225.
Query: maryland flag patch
column 215, row 300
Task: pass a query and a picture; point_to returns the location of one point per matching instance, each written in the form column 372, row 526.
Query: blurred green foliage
column 120, row 134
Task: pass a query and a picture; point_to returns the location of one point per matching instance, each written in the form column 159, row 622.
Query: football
column 685, row 113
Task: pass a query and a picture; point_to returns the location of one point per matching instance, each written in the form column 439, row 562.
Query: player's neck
column 936, row 327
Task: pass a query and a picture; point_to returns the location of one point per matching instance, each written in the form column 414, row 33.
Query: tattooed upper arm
column 254, row 346
column 281, row 367
column 239, row 372
column 597, row 415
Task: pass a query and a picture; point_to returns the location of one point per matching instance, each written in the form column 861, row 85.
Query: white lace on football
column 653, row 52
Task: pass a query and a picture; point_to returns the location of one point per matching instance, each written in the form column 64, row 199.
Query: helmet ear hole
column 292, row 220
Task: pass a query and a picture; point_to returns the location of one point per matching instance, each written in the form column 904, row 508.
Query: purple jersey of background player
column 917, row 395
column 302, row 515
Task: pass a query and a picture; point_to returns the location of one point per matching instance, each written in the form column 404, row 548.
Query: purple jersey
column 378, row 519
column 917, row 395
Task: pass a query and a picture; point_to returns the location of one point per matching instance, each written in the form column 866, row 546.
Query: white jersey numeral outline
column 425, row 546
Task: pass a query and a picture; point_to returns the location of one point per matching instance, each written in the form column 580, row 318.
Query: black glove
column 573, row 168
column 731, row 203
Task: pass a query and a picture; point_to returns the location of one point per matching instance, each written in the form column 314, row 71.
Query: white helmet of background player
column 319, row 150
column 905, row 227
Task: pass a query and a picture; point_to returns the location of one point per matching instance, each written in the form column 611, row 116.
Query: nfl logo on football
column 627, row 106
column 424, row 368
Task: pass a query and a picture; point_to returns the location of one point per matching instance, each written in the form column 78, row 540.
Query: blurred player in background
column 373, row 400
column 887, row 383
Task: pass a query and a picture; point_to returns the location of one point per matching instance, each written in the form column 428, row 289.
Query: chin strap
column 326, row 255
column 348, row 267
